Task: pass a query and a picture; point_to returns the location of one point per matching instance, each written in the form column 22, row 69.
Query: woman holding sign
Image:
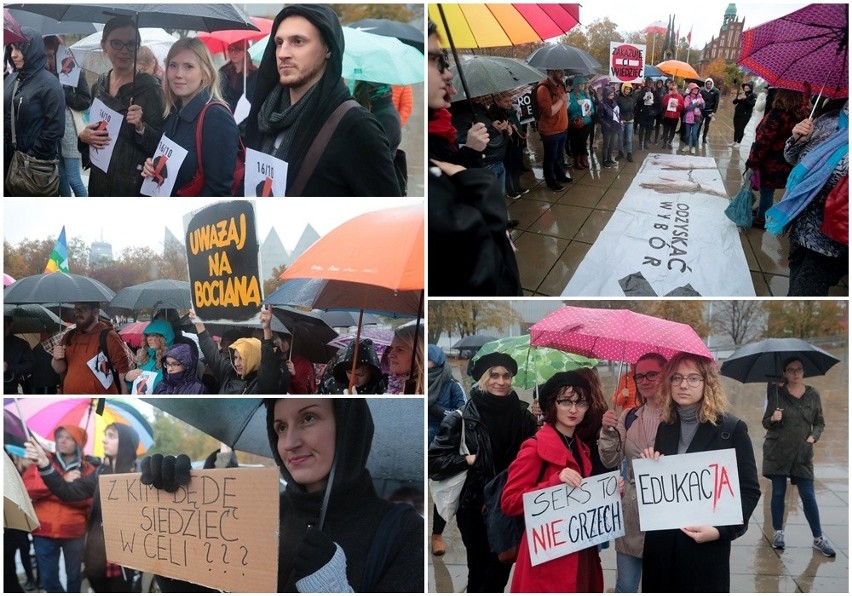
column 693, row 419
column 554, row 456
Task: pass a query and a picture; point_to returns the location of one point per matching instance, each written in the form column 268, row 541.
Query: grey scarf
column 276, row 116
column 688, row 425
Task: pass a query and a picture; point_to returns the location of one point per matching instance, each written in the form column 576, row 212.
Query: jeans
column 692, row 133
column 610, row 141
column 627, row 137
column 767, row 198
column 70, row 179
column 809, row 504
column 554, row 147
column 629, row 573
column 47, row 555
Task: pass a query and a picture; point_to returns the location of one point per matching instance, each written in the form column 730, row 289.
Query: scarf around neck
column 441, row 125
column 277, row 115
column 439, row 377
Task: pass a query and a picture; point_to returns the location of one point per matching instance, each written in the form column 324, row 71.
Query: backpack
column 534, row 107
column 193, row 187
column 102, row 344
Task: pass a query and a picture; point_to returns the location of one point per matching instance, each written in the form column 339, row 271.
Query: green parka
column 786, row 451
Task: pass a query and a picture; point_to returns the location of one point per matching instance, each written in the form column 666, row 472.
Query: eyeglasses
column 172, row 364
column 692, row 380
column 442, row 60
column 795, row 371
column 117, row 44
column 580, row 404
column 236, row 49
column 651, row 376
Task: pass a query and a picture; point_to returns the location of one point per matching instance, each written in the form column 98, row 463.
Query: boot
column 630, row 157
column 438, row 547
column 583, row 162
column 620, row 156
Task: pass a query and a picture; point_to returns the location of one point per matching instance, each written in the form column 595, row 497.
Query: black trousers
column 812, row 273
column 740, row 121
column 485, row 573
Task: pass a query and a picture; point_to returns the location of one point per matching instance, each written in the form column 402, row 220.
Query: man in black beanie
column 299, row 88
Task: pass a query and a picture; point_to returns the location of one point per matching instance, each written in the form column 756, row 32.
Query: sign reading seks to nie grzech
column 223, row 258
column 562, row 519
column 693, row 489
column 219, row 531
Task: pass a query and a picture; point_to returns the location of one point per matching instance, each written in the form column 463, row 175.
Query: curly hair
column 159, row 353
column 713, row 403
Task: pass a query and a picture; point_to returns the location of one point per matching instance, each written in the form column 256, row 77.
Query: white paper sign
column 586, row 106
column 561, row 519
column 108, row 120
column 672, row 107
column 144, row 383
column 66, row 67
column 242, row 109
column 167, row 161
column 693, row 489
column 668, row 237
column 266, row 176
column 99, row 365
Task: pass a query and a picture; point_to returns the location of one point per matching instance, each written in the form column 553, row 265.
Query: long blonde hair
column 713, row 403
column 406, row 335
column 209, row 74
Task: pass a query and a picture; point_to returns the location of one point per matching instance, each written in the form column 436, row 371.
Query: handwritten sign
column 167, row 162
column 220, row 531
column 692, row 489
column 67, row 68
column 266, row 176
column 223, row 258
column 110, row 121
column 561, row 519
column 627, row 62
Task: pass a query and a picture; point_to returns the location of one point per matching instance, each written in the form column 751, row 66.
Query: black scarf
column 503, row 416
column 277, row 115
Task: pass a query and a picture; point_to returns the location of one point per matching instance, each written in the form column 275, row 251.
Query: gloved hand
column 315, row 551
column 166, row 473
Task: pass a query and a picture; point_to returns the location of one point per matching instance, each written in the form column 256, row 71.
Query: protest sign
column 561, row 519
column 266, row 176
column 66, row 67
column 144, row 383
column 223, row 258
column 627, row 62
column 693, row 489
column 219, row 531
column 524, row 106
column 110, row 121
column 669, row 236
column 167, row 162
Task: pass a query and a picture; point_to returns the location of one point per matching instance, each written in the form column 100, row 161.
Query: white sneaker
column 692, row 150
column 731, row 144
column 735, row 145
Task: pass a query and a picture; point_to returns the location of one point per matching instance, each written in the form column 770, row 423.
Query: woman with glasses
column 138, row 97
column 794, row 422
column 694, row 419
column 556, row 455
column 180, row 373
column 238, row 75
column 496, row 422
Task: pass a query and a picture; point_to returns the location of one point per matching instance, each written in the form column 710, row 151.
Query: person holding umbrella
column 235, row 82
column 794, row 422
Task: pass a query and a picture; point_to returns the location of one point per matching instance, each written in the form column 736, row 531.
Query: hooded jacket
column 445, row 392
column 577, row 99
column 711, row 97
column 609, row 112
column 354, row 510
column 163, row 328
column 368, row 357
column 39, row 104
column 626, row 103
column 230, row 383
column 357, row 160
column 185, row 382
column 743, row 107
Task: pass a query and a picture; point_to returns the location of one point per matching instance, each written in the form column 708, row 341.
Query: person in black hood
column 743, row 106
column 298, row 88
column 39, row 103
column 120, row 444
column 368, row 371
column 711, row 103
column 496, row 422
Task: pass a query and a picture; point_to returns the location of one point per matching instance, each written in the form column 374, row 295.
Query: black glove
column 315, row 551
column 166, row 472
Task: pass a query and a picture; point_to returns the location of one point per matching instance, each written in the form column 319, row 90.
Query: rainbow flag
column 58, row 260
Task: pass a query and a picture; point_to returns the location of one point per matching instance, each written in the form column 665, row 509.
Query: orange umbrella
column 677, row 68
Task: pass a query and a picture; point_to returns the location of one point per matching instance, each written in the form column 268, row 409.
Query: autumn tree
column 173, row 264
column 716, row 70
column 175, row 436
column 272, row 283
column 742, row 320
column 467, row 317
column 520, row 51
column 805, row 318
column 600, row 33
column 689, row 312
column 349, row 13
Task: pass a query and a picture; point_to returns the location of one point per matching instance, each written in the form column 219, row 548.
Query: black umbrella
column 402, row 31
column 762, row 361
column 493, row 74
column 49, row 26
column 55, row 287
column 560, row 56
column 160, row 293
column 31, row 318
column 473, row 342
column 310, row 334
column 344, row 318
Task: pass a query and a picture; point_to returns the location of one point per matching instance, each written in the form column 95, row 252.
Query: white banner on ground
column 561, row 519
column 668, row 237
column 693, row 489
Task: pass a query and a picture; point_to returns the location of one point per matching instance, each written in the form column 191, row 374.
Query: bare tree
column 742, row 320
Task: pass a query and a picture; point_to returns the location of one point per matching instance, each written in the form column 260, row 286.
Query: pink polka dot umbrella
column 620, row 334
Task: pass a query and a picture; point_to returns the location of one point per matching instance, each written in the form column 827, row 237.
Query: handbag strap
column 198, row 133
column 318, row 145
column 12, row 109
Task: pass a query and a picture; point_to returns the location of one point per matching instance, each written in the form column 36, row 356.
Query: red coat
column 558, row 575
column 767, row 151
column 57, row 518
column 676, row 114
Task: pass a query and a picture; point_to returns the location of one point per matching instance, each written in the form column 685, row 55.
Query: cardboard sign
column 220, row 531
column 110, row 121
column 524, row 105
column 223, row 258
column 627, row 62
column 67, row 68
column 561, row 519
column 144, row 383
column 266, row 176
column 167, row 162
column 693, row 489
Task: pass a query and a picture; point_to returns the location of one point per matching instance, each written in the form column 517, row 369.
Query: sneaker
column 523, row 191
column 692, row 150
column 630, row 157
column 30, row 586
column 822, row 545
column 565, row 179
column 735, row 145
column 610, row 163
column 620, row 156
column 778, row 541
column 555, row 186
column 514, row 195
column 731, row 144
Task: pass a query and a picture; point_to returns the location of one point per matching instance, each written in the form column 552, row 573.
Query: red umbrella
column 620, row 335
column 810, row 45
column 656, row 27
column 132, row 333
column 218, row 41
column 11, row 29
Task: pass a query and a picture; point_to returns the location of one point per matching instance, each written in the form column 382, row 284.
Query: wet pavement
column 755, row 565
column 557, row 229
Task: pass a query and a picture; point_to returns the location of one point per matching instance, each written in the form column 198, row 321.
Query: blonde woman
column 192, row 82
column 159, row 337
column 402, row 379
column 694, row 419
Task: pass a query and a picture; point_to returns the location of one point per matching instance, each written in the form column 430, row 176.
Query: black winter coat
column 786, row 451
column 743, row 107
column 229, row 382
column 674, row 562
column 711, row 100
column 463, row 119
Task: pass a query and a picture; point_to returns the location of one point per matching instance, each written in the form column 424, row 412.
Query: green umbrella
column 535, row 364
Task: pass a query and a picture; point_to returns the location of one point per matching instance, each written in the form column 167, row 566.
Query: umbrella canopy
column 18, row 512
column 345, row 295
column 656, row 27
column 677, row 68
column 653, row 72
column 132, row 333
column 762, row 361
column 11, row 29
column 564, row 57
column 8, row 280
column 381, row 339
column 492, row 74
column 32, row 318
column 343, row 318
column 473, row 341
column 535, row 364
column 160, row 293
column 90, row 55
column 48, row 26
column 404, row 32
column 617, row 334
column 810, row 45
column 310, row 334
column 218, row 41
column 55, row 287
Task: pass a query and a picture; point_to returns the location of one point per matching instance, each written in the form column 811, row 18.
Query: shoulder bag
column 27, row 175
column 446, row 494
